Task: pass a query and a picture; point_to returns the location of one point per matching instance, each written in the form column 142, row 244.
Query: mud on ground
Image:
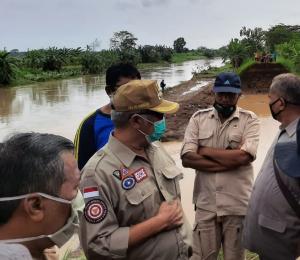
column 189, row 104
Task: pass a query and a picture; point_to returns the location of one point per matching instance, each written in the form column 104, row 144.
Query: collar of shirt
column 236, row 114
column 291, row 128
column 124, row 153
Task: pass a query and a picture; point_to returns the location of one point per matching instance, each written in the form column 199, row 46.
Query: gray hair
column 287, row 85
column 121, row 119
column 31, row 162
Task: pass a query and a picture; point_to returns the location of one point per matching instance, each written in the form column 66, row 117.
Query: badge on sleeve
column 90, row 192
column 117, row 174
column 124, row 173
column 128, row 183
column 95, row 211
column 140, row 174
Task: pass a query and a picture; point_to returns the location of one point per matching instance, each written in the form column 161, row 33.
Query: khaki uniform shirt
column 225, row 193
column 272, row 228
column 122, row 189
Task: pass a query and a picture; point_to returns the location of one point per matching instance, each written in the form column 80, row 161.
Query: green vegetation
column 6, row 68
column 179, row 44
column 280, row 40
column 54, row 63
column 18, row 68
column 249, row 256
column 288, row 64
column 246, row 64
column 186, row 56
column 290, row 54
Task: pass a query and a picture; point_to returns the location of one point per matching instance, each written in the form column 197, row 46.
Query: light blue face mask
column 159, row 130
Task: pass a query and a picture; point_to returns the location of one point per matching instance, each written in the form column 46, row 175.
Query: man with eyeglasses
column 131, row 186
column 220, row 143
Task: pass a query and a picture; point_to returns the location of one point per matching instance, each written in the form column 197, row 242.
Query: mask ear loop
column 36, row 193
column 143, row 118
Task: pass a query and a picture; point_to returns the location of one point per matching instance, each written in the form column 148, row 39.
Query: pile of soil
column 257, row 79
column 189, row 104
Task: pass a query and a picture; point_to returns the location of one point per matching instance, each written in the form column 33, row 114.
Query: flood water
column 59, row 106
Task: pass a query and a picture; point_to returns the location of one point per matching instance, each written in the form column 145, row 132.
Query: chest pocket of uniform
column 137, row 195
column 139, row 204
column 169, row 185
column 235, row 140
column 205, row 137
column 275, row 225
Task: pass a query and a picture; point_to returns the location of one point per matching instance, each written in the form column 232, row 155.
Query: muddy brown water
column 59, row 106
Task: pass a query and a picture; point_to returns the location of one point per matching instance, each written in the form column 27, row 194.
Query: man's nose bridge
column 225, row 97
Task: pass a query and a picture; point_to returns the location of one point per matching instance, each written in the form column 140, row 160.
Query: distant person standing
column 274, row 56
column 162, row 85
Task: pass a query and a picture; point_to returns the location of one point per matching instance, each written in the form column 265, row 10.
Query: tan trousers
column 210, row 232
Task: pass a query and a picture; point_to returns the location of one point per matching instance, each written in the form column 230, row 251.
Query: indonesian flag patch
column 90, row 192
column 95, row 211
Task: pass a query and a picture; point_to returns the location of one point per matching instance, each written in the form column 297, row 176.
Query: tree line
column 44, row 64
column 284, row 40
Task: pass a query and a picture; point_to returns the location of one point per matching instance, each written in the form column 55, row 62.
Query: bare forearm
column 228, row 158
column 140, row 232
column 198, row 162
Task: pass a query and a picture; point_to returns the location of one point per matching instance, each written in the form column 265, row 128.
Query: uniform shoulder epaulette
column 251, row 113
column 93, row 162
column 203, row 111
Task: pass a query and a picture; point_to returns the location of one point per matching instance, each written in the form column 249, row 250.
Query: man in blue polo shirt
column 94, row 130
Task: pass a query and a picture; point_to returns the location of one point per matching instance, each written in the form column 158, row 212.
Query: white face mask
column 61, row 236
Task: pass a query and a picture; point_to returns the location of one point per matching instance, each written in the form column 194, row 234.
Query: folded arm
column 229, row 158
column 199, row 162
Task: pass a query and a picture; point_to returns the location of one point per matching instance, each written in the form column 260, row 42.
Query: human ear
column 34, row 207
column 135, row 121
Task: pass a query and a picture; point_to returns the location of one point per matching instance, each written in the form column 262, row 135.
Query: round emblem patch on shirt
column 95, row 211
column 128, row 183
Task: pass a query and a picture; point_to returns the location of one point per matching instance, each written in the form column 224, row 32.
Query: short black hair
column 115, row 72
column 30, row 162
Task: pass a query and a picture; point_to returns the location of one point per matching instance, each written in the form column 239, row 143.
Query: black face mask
column 274, row 115
column 225, row 111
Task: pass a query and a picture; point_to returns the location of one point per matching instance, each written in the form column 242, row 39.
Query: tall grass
column 245, row 66
column 186, row 56
column 288, row 64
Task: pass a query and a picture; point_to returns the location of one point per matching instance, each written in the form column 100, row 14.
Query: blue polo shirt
column 92, row 135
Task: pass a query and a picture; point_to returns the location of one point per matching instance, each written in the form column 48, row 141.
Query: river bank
column 24, row 75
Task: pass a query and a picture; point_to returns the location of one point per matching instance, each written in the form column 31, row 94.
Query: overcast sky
column 75, row 23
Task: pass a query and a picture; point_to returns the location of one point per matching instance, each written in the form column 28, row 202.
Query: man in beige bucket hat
column 131, row 186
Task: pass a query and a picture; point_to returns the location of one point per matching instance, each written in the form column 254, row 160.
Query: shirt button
column 143, row 193
column 161, row 187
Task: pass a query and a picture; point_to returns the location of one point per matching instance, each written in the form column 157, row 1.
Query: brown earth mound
column 257, row 79
column 259, row 76
column 189, row 104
